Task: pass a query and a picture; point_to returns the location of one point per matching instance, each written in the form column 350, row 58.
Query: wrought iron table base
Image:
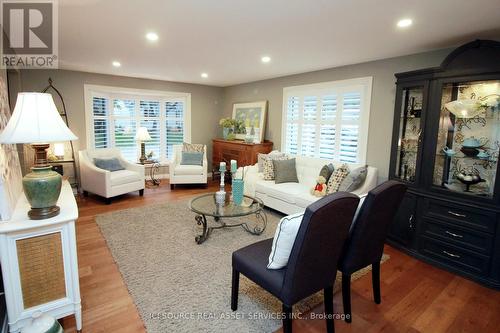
column 256, row 230
column 153, row 171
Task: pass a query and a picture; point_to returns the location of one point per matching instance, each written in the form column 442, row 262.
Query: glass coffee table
column 204, row 206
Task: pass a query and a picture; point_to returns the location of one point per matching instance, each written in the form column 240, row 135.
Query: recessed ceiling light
column 204, row 75
column 404, row 23
column 117, row 64
column 265, row 59
column 152, row 36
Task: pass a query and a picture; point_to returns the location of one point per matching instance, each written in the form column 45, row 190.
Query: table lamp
column 36, row 121
column 141, row 136
column 59, row 150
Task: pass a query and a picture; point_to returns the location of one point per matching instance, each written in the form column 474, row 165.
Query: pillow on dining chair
column 284, row 237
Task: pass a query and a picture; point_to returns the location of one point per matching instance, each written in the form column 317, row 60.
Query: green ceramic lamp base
column 42, row 187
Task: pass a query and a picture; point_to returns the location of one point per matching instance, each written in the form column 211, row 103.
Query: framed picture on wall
column 253, row 116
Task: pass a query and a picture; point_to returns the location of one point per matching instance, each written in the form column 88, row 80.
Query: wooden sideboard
column 244, row 153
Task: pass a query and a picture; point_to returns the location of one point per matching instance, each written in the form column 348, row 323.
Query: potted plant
column 228, row 125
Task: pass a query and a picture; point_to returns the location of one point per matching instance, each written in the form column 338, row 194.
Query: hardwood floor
column 416, row 297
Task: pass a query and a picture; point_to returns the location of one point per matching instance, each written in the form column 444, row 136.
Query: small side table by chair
column 152, row 167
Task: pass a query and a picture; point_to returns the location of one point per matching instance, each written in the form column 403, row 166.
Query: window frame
column 111, row 93
column 321, row 89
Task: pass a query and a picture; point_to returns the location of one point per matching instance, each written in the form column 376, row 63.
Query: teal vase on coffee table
column 238, row 187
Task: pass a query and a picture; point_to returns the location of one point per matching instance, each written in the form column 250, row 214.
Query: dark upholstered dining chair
column 367, row 236
column 312, row 265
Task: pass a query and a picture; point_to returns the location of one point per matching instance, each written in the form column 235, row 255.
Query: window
column 327, row 120
column 115, row 114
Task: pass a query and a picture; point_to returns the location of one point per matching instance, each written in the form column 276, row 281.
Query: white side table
column 39, row 263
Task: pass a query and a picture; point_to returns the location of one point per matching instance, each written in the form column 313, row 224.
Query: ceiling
column 227, row 38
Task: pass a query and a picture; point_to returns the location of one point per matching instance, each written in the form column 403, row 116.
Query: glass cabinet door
column 468, row 137
column 410, row 130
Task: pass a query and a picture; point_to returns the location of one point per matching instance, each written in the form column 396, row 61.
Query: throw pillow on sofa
column 110, row 164
column 285, row 171
column 284, row 237
column 269, row 166
column 261, row 158
column 354, row 179
column 336, row 178
column 326, row 171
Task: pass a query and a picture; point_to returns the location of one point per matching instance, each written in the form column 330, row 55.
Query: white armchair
column 105, row 183
column 187, row 174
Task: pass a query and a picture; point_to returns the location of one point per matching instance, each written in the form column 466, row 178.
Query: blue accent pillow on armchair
column 110, row 164
column 192, row 158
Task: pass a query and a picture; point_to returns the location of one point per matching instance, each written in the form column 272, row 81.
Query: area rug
column 180, row 286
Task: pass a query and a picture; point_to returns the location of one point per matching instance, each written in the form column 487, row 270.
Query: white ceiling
column 226, row 38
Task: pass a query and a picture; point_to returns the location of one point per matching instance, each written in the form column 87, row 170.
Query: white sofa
column 291, row 198
column 105, row 183
column 187, row 174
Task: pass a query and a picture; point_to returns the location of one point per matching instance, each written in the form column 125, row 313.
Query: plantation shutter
column 292, row 126
column 100, row 122
column 125, row 128
column 114, row 116
column 149, row 111
column 174, row 113
column 327, row 122
column 349, row 134
column 327, row 125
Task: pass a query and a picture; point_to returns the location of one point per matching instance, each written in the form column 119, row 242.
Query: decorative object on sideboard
column 228, row 127
column 142, row 136
column 250, row 134
column 252, row 115
column 36, row 120
column 42, row 323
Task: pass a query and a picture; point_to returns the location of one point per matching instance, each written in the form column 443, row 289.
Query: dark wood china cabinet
column 445, row 146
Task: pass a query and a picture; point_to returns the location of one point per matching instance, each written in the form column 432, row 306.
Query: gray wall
column 382, row 104
column 209, row 104
column 205, row 100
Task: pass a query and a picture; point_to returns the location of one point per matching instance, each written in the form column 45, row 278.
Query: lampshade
column 36, row 120
column 465, row 108
column 142, row 134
